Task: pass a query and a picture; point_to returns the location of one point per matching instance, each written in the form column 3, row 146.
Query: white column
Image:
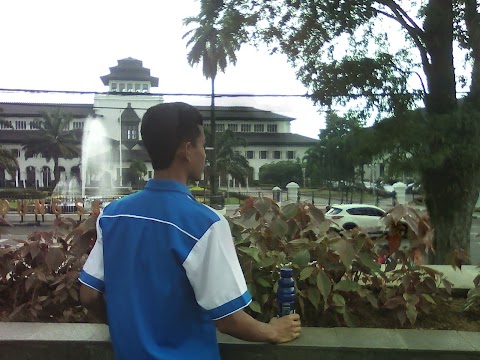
column 400, row 189
column 292, row 191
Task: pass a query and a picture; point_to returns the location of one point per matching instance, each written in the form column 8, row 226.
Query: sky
column 65, row 45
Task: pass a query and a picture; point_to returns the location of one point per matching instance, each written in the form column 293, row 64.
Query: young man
column 164, row 267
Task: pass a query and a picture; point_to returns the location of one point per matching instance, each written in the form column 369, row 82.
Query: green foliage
column 39, row 277
column 334, row 273
column 230, row 161
column 52, row 141
column 137, row 171
column 281, row 173
column 374, row 78
column 8, row 161
column 473, row 296
column 338, row 151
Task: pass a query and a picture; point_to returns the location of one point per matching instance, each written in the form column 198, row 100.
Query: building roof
column 129, row 115
column 129, row 69
column 34, row 110
column 277, row 139
column 245, row 113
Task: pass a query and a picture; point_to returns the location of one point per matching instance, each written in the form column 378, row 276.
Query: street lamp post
column 303, row 172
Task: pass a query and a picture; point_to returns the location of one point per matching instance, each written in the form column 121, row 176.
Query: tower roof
column 129, row 115
column 129, row 69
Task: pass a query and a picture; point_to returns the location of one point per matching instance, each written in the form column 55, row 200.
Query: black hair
column 165, row 127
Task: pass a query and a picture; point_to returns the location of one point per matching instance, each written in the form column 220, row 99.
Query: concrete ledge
column 21, row 341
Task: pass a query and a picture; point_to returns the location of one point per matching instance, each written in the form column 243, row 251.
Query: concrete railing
column 39, row 341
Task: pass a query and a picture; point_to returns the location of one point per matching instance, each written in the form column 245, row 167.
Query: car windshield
column 334, row 211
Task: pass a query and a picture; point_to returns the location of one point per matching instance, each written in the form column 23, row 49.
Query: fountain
column 97, row 166
column 66, row 192
column 97, row 160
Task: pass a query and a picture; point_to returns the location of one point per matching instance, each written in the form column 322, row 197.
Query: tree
column 378, row 79
column 334, row 157
column 137, row 171
column 230, row 161
column 7, row 160
column 53, row 140
column 213, row 43
column 281, row 173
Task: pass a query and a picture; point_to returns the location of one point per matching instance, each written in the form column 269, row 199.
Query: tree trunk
column 56, row 171
column 472, row 21
column 450, row 198
column 450, row 193
column 213, row 165
column 441, row 97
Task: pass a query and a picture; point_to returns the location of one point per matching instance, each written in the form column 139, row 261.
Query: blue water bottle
column 286, row 293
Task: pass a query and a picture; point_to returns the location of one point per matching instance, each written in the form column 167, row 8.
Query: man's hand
column 243, row 326
column 286, row 328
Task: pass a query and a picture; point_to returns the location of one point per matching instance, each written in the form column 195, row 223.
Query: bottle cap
column 286, row 272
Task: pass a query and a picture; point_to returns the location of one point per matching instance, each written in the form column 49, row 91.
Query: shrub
column 39, row 280
column 333, row 272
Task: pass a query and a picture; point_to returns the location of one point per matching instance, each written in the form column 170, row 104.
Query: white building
column 120, row 110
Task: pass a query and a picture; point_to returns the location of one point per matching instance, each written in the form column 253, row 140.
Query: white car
column 367, row 218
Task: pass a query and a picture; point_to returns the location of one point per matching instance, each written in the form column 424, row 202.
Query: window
column 113, row 87
column 233, row 127
column 78, row 125
column 382, row 170
column 121, row 87
column 130, row 87
column 220, row 127
column 277, row 154
column 132, row 132
column 20, row 125
column 290, row 155
column 145, row 88
column 263, row 154
column 259, row 128
column 249, row 154
column 272, row 128
column 246, row 128
column 137, row 87
column 35, row 124
column 15, row 152
column 7, row 125
column 150, row 174
column 206, row 126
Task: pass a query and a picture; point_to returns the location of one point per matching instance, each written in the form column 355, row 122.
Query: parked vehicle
column 367, row 218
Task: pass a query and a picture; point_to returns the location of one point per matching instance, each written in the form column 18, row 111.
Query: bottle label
column 286, row 309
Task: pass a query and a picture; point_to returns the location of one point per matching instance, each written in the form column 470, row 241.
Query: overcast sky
column 65, row 45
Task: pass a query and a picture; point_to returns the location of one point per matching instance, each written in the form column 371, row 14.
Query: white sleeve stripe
column 234, row 311
column 152, row 219
column 90, row 286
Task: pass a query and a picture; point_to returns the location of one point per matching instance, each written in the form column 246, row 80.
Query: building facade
column 119, row 111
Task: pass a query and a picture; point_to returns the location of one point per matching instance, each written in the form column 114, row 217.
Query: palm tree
column 215, row 47
column 8, row 161
column 53, row 140
column 230, row 161
column 137, row 171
